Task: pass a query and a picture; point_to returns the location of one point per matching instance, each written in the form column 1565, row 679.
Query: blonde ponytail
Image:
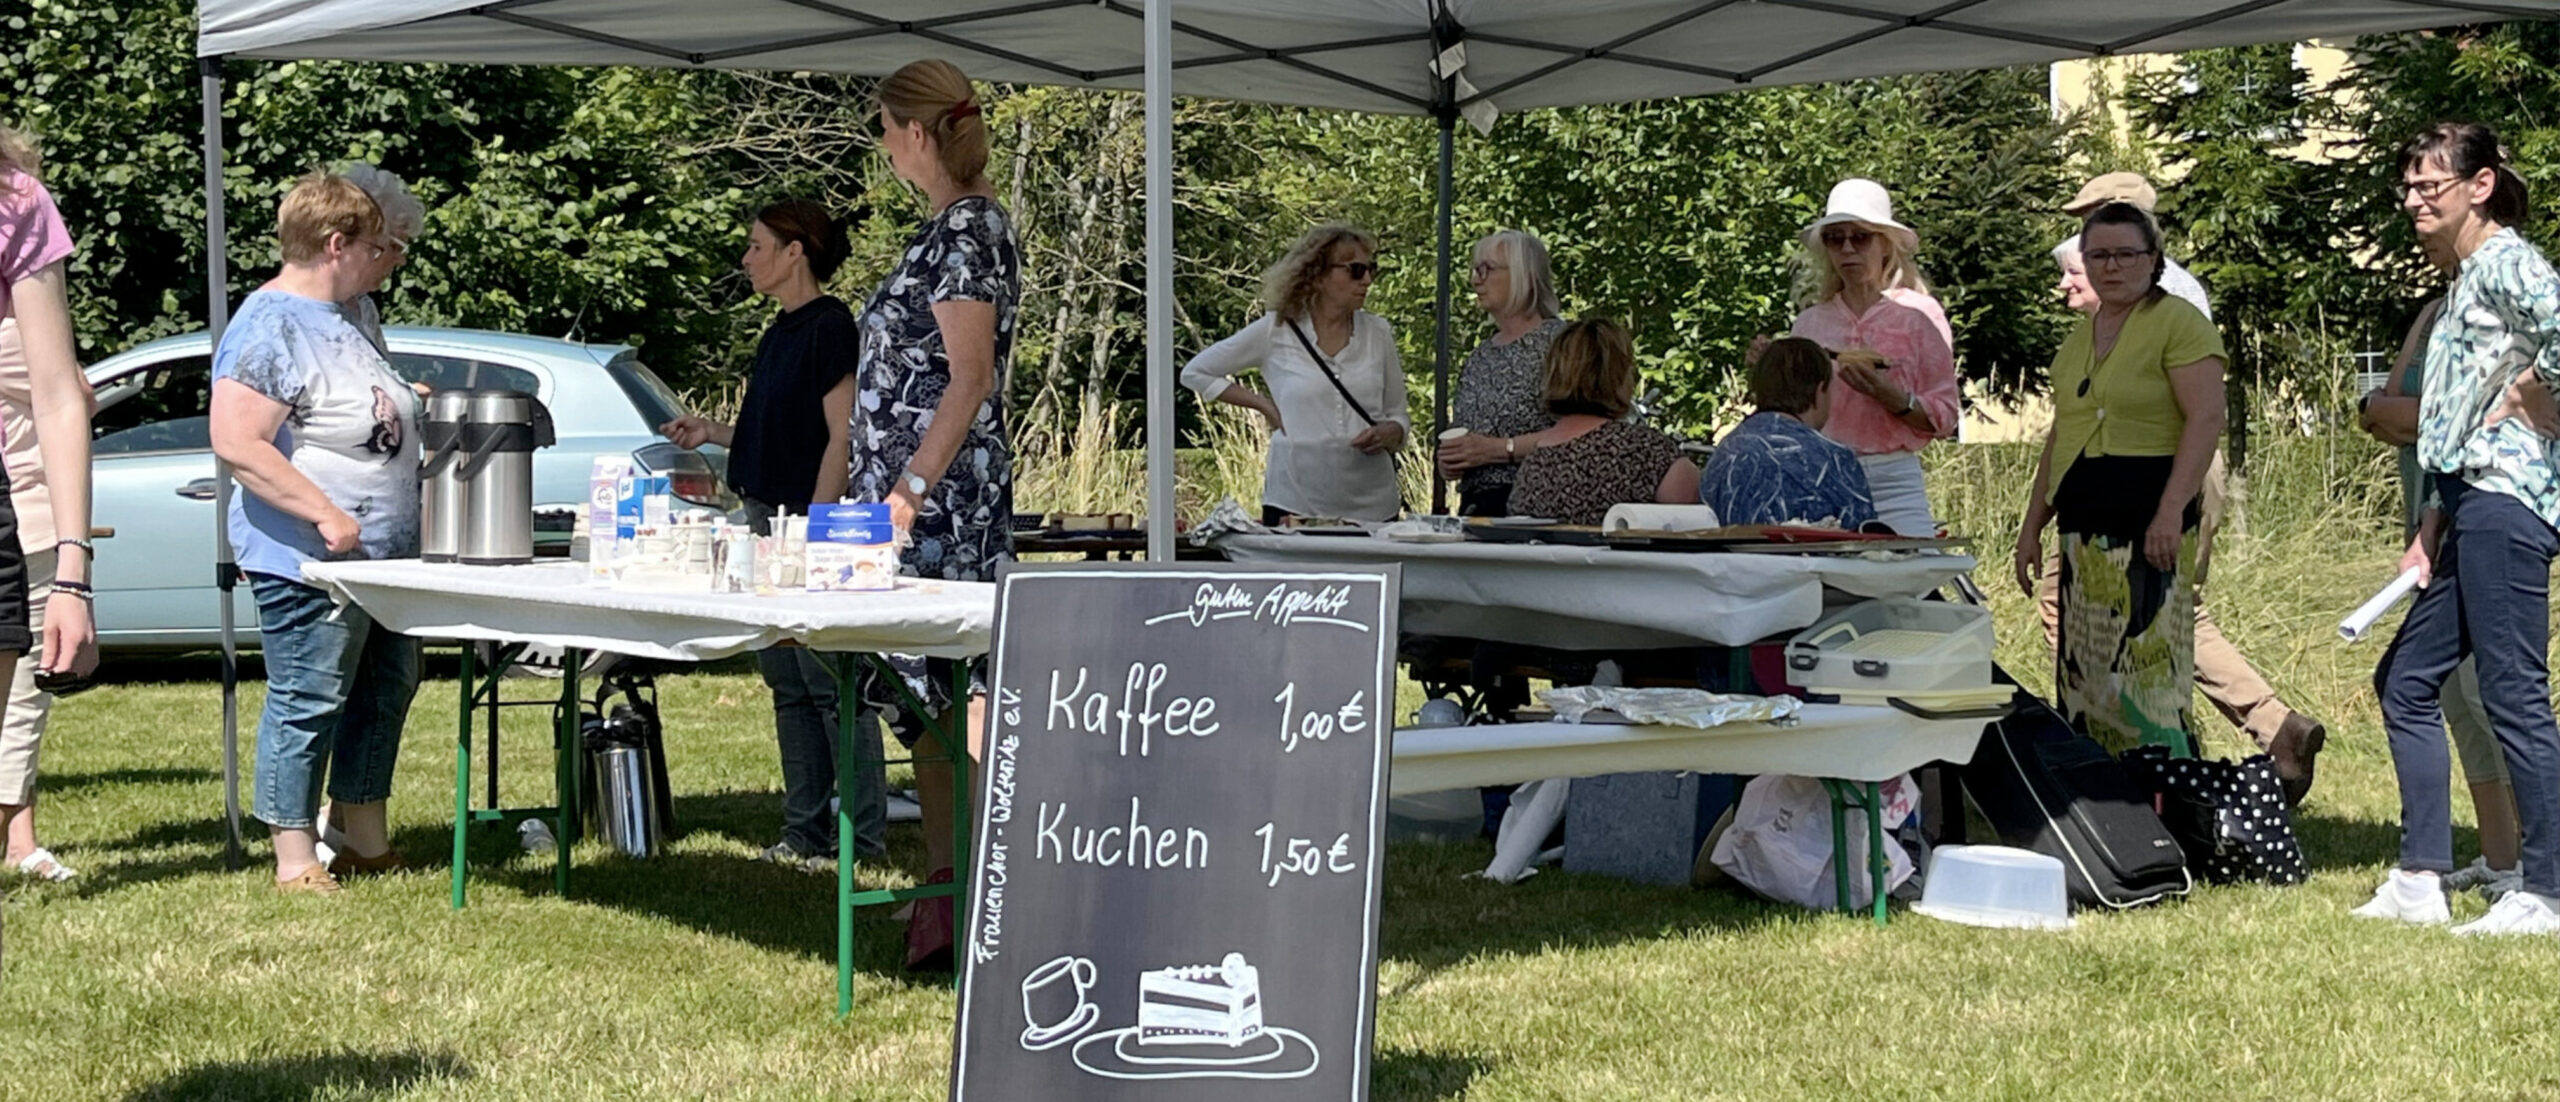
column 937, row 94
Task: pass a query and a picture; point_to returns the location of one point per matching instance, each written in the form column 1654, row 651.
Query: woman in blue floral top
column 2487, row 543
column 928, row 424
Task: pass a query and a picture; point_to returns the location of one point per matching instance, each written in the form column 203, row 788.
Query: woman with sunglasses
column 1892, row 351
column 1337, row 403
column 1501, row 399
column 2486, row 542
column 2137, row 411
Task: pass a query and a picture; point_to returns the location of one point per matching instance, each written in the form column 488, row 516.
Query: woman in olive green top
column 2137, row 409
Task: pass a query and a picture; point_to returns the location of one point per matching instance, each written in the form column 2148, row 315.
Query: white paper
column 2353, row 628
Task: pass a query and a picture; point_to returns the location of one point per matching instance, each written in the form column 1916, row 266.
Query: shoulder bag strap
column 1326, row 366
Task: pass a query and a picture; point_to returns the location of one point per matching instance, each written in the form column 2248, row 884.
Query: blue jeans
column 338, row 691
column 2490, row 602
column 804, row 723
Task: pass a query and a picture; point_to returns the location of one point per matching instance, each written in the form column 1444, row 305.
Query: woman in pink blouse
column 1889, row 340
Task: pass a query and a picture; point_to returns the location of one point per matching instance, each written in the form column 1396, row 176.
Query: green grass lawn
column 702, row 974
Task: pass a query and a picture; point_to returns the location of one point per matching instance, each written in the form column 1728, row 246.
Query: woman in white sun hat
column 1863, row 300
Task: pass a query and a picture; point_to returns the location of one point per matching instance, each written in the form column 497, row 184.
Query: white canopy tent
column 1449, row 59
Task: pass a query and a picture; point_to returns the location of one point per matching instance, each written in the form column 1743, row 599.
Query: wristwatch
column 915, row 484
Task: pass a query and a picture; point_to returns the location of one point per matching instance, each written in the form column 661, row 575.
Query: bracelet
column 76, row 589
column 81, row 544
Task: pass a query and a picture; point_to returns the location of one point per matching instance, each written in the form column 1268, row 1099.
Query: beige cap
column 2114, row 187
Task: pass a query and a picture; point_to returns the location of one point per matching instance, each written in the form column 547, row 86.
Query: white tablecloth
column 1599, row 598
column 552, row 603
column 1831, row 740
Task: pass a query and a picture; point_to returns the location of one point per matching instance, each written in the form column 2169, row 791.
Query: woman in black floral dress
column 928, row 421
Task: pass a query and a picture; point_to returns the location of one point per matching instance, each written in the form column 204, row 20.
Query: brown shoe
column 313, row 881
column 2295, row 750
column 347, row 865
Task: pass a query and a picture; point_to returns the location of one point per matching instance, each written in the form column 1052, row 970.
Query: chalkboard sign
column 1179, row 835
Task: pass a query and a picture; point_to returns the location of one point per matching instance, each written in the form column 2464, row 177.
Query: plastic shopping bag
column 1780, row 842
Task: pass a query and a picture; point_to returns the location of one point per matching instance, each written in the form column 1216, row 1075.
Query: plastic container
column 1997, row 886
column 535, row 836
column 1894, row 644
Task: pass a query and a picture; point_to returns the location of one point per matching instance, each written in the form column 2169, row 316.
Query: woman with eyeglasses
column 1501, row 398
column 1336, row 406
column 2137, row 410
column 323, row 438
column 1892, row 351
column 2486, row 542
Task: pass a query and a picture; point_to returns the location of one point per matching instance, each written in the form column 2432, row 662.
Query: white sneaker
column 2518, row 912
column 2413, row 897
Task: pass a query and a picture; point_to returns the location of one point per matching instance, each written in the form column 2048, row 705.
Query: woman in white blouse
column 1337, row 402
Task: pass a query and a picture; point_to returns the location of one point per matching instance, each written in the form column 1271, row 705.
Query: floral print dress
column 965, row 253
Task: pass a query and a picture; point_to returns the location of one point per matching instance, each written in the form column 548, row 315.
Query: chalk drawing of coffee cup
column 1054, row 1002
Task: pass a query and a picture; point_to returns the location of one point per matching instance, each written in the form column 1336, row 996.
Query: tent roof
column 1369, row 55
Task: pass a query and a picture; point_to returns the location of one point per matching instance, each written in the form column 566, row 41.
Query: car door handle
column 200, row 490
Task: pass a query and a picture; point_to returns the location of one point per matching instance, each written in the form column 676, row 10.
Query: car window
column 649, row 394
column 454, row 372
column 166, row 413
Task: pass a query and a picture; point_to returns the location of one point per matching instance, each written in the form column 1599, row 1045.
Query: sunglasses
column 1362, row 269
column 1847, row 239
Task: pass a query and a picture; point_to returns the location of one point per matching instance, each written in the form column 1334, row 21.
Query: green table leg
column 1839, row 844
column 1877, row 866
column 462, row 776
column 848, row 712
column 565, row 770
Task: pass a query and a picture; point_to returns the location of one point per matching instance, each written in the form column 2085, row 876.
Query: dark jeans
column 2489, row 601
column 804, row 723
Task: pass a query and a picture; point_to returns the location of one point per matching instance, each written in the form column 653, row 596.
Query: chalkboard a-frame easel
column 1179, row 835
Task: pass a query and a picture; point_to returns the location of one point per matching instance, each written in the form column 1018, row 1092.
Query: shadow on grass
column 2329, row 842
column 1398, row 1076
column 729, row 894
column 344, row 1074
column 61, row 784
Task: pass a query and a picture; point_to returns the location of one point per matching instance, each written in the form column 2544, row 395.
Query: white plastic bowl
column 1997, row 886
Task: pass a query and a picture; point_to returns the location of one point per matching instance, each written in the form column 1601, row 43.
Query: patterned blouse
column 2500, row 319
column 1576, row 482
column 1773, row 469
column 1502, row 392
column 966, row 253
column 1909, row 329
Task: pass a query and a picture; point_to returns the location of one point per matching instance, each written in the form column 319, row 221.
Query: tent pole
column 1440, row 364
column 226, row 569
column 1159, row 96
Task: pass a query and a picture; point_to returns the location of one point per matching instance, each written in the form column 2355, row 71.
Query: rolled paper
column 2353, row 628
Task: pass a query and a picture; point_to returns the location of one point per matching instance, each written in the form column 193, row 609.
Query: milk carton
column 851, row 549
column 604, row 492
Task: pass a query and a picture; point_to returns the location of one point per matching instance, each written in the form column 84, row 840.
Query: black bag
column 2229, row 817
column 2048, row 788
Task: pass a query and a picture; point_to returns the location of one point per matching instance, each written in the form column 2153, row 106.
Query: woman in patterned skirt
column 2137, row 410
column 928, row 423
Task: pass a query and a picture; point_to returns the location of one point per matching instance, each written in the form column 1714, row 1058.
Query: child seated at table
column 1776, row 466
column 1594, row 457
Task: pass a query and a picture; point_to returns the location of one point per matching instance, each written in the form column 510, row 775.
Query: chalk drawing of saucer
column 1277, row 1053
column 1037, row 1039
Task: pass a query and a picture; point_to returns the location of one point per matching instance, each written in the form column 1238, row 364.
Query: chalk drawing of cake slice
column 1214, row 1004
column 1199, row 1022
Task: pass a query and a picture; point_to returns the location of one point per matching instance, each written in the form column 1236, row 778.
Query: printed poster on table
column 1179, row 835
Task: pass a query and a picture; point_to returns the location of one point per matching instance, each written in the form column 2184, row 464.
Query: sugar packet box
column 851, row 549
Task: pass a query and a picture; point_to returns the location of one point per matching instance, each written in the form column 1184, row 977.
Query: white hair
column 1533, row 280
column 403, row 216
column 2068, row 251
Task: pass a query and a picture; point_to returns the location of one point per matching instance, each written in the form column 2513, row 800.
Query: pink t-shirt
column 31, row 232
column 1910, row 331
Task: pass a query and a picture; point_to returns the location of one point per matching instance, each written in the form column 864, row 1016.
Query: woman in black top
column 789, row 449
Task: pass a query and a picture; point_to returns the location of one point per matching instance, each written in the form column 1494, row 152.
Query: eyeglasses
column 1362, row 269
column 2429, row 191
column 1486, row 268
column 2110, row 258
column 1846, row 239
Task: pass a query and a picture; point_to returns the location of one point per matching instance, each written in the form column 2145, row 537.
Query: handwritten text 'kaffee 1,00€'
column 1134, row 717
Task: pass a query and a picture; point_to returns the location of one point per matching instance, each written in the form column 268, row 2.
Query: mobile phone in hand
column 63, row 684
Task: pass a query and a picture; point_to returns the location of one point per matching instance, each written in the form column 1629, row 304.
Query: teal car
column 153, row 465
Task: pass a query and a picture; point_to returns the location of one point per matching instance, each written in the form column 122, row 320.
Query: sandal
column 313, row 881
column 43, row 865
column 346, row 864
column 929, row 930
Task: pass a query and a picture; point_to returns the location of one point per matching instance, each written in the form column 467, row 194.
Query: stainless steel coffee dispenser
column 495, row 468
column 440, row 490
